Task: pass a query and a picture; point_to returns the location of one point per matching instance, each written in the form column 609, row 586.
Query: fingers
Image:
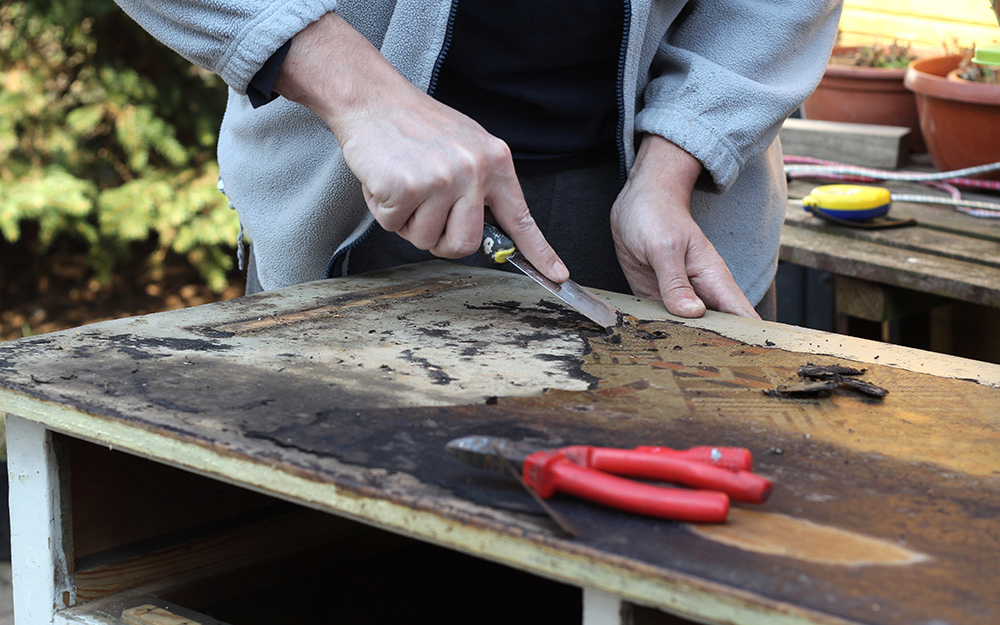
column 512, row 215
column 695, row 277
column 439, row 206
column 713, row 288
column 679, row 297
column 675, row 264
column 462, row 231
column 446, row 230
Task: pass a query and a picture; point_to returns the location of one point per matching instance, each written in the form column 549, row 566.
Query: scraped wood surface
column 303, row 409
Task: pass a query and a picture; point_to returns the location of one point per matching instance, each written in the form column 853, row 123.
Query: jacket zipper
column 620, row 91
column 445, row 45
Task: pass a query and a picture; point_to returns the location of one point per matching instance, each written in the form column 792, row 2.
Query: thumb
column 679, row 297
column 515, row 219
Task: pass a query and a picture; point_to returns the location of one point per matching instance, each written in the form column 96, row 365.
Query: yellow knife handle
column 496, row 245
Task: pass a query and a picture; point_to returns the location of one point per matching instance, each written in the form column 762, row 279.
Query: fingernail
column 692, row 306
column 561, row 272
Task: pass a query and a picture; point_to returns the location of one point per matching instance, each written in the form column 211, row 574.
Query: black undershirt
column 540, row 74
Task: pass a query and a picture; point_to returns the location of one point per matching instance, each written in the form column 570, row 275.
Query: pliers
column 716, row 475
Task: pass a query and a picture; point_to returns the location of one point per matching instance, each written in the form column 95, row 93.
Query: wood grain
column 916, row 469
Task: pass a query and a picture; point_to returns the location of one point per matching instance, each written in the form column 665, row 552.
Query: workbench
column 279, row 458
column 885, row 275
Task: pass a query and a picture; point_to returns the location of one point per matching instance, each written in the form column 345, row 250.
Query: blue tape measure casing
column 849, row 201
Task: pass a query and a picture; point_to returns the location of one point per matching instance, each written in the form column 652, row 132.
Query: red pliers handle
column 733, row 458
column 586, row 472
column 549, row 472
column 739, row 485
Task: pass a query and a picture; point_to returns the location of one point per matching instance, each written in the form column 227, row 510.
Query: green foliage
column 107, row 135
column 894, row 55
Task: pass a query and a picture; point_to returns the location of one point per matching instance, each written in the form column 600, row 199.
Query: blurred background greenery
column 108, row 138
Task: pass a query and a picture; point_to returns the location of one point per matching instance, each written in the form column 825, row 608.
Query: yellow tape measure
column 850, row 201
column 853, row 205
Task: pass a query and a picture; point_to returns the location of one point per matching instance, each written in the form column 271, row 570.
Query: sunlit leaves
column 107, row 136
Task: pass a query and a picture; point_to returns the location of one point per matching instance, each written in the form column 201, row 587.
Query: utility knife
column 499, row 248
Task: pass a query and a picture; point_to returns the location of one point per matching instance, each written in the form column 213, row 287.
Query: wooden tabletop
column 947, row 253
column 341, row 395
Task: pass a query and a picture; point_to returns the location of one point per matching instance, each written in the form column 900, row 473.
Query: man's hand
column 663, row 252
column 426, row 170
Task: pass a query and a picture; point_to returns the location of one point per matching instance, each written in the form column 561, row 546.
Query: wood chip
column 864, row 387
column 808, row 388
column 827, row 371
column 821, row 380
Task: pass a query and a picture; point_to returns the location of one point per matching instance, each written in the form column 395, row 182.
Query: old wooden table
column 147, row 457
column 886, row 274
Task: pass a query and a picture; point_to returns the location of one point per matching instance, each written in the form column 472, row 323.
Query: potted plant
column 864, row 85
column 960, row 115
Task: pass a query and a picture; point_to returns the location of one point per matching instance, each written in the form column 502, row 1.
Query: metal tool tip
column 471, row 443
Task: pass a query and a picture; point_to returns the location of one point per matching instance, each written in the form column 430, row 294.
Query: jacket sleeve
column 728, row 73
column 232, row 38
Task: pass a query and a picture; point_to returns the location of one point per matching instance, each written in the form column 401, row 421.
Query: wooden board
column 947, row 253
column 867, row 145
column 341, row 395
column 132, row 609
column 927, row 24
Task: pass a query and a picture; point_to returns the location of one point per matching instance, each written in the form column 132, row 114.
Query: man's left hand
column 662, row 251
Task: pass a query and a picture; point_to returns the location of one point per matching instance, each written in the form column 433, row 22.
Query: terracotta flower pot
column 864, row 95
column 960, row 120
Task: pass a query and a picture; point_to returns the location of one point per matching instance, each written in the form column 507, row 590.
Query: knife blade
column 499, row 248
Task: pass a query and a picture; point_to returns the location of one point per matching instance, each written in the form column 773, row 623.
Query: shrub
column 107, row 135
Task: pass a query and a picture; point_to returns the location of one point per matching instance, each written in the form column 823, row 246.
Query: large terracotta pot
column 960, row 120
column 864, row 95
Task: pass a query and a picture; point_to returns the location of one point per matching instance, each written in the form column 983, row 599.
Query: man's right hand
column 427, row 171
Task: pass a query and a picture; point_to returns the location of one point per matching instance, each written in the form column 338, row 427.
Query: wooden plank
column 149, row 614
column 171, row 570
column 867, row 145
column 867, row 260
column 847, row 469
column 131, row 608
column 601, row 608
column 878, row 302
column 41, row 567
column 934, row 216
column 928, row 24
column 946, row 254
column 944, row 245
column 957, row 12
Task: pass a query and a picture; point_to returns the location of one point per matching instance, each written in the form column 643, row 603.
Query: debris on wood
column 821, row 380
column 808, row 388
column 865, row 387
column 817, row 372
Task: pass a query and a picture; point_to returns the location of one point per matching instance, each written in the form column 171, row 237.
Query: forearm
column 730, row 72
column 338, row 74
column 666, row 167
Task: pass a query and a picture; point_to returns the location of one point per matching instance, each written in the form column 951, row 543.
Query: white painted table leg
column 600, row 608
column 40, row 572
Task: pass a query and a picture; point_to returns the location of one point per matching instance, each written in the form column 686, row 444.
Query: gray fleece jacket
column 716, row 77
